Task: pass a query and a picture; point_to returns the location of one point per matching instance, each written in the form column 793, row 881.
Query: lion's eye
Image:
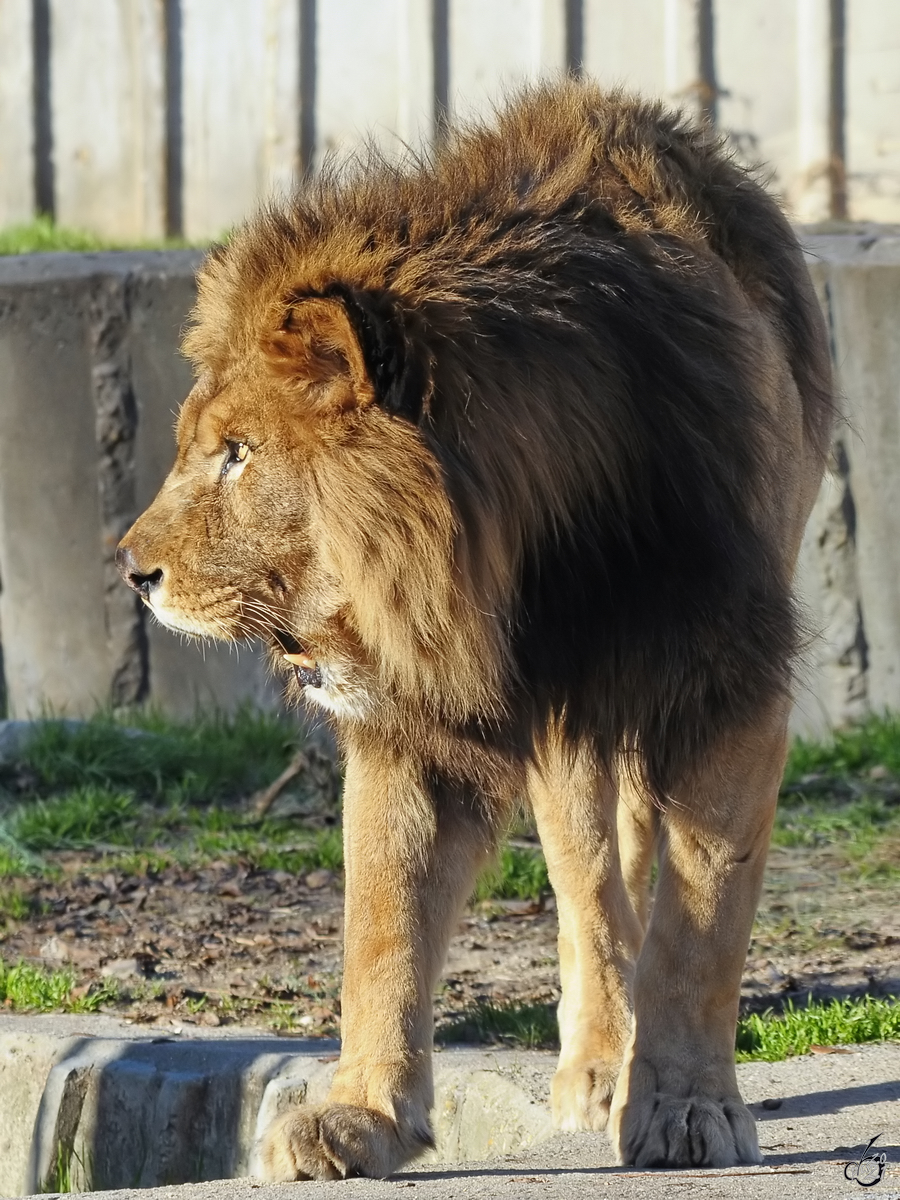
column 237, row 453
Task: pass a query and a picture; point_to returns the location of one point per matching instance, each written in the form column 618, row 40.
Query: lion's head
column 304, row 506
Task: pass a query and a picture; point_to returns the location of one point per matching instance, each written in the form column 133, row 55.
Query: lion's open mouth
column 306, row 669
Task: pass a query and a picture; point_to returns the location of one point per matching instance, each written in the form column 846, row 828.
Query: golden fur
column 510, row 451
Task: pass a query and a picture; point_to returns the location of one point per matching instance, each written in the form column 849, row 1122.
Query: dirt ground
column 221, row 944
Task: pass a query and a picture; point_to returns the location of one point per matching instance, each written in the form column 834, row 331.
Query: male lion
column 507, row 454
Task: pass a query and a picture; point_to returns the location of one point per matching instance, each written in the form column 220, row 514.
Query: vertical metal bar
column 308, row 69
column 44, row 176
column 174, row 119
column 575, row 37
column 837, row 100
column 706, row 56
column 440, row 50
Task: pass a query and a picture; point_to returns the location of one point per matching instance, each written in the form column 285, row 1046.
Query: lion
column 506, row 452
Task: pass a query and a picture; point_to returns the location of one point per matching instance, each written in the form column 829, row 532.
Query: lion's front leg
column 599, row 932
column 677, row 1102
column 411, row 856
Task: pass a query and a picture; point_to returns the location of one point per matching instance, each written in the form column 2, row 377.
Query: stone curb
column 118, row 1105
column 152, row 1107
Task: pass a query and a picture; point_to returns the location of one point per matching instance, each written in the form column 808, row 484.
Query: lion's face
column 224, row 551
column 292, row 508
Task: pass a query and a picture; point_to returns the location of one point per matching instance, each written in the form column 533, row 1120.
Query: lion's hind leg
column 599, row 933
column 677, row 1102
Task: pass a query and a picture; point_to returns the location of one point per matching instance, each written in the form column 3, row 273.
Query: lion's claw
column 692, row 1131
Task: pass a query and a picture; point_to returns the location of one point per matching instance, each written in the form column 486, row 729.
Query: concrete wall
column 90, row 379
column 134, row 117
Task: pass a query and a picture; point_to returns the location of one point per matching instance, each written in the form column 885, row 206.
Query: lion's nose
column 143, row 583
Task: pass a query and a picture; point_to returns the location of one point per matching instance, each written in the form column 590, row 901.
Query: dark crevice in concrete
column 174, row 119
column 708, row 86
column 44, row 180
column 116, row 428
column 440, row 49
column 307, row 130
column 575, row 37
column 837, row 104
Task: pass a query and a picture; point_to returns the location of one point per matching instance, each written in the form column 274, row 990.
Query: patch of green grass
column 42, row 236
column 519, row 874
column 533, row 1026
column 858, row 823
column 14, row 905
column 874, row 743
column 28, row 988
column 212, row 757
column 770, row 1037
column 766, row 1037
column 75, row 820
column 14, row 861
column 325, row 850
column 72, row 1172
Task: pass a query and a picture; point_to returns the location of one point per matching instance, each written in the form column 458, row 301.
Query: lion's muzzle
column 135, row 574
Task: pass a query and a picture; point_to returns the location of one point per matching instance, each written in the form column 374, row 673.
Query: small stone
column 879, row 772
column 121, row 968
column 771, row 1104
column 319, row 878
column 55, row 950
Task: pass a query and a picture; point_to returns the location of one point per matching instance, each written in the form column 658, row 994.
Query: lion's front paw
column 659, row 1130
column 335, row 1141
column 582, row 1095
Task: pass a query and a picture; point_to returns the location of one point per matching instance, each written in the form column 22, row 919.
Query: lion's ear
column 317, row 343
column 358, row 337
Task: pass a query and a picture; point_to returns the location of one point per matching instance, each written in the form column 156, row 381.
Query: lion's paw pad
column 693, row 1131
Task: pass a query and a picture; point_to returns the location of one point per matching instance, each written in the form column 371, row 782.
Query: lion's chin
column 180, row 622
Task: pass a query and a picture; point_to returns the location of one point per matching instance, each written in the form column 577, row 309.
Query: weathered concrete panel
column 107, row 79
column 182, row 675
column 16, row 82
column 90, row 380
column 51, row 604
column 772, row 68
column 865, row 309
column 873, row 109
column 645, row 45
column 373, row 74
column 240, row 89
column 494, row 47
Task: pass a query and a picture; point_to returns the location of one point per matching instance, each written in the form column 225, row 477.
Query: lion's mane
column 558, row 509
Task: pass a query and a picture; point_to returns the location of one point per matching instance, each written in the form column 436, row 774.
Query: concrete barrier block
column 126, row 1108
column 865, row 308
column 52, row 599
column 91, row 380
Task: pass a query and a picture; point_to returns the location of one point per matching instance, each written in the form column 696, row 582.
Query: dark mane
column 577, row 309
